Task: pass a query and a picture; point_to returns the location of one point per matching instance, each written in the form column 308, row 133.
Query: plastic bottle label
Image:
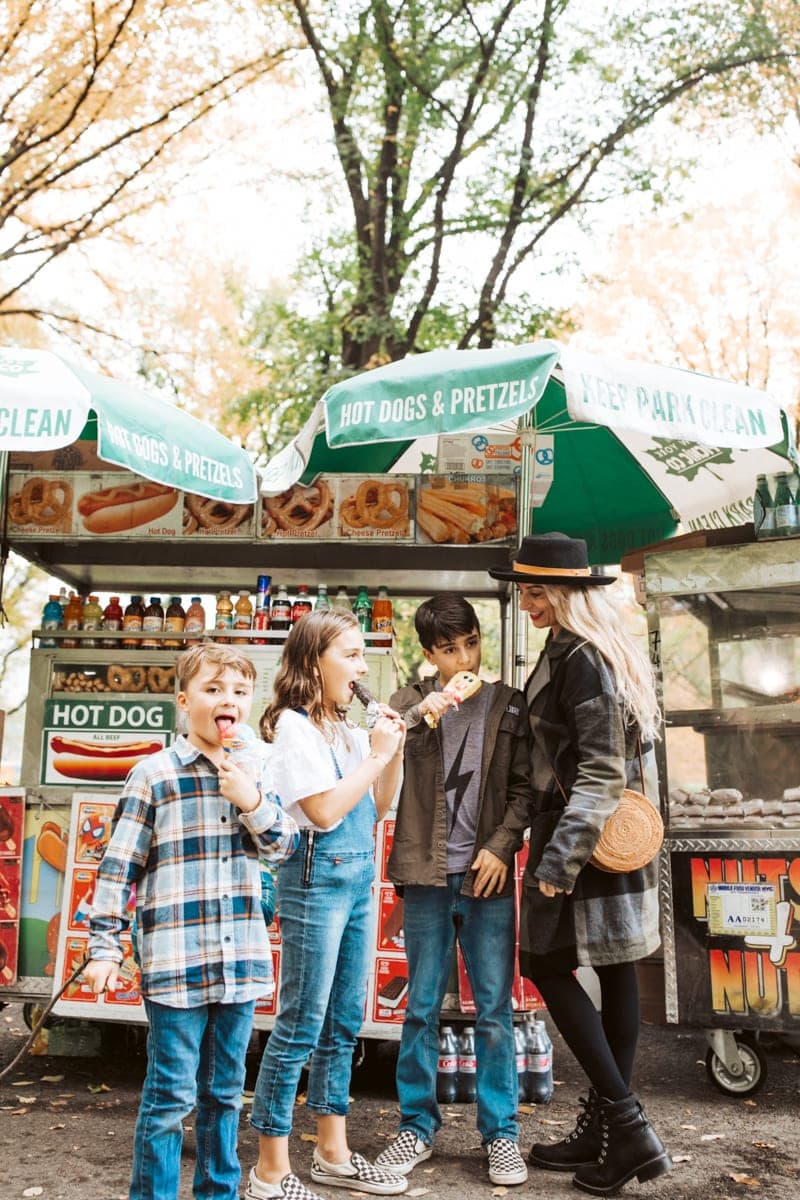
column 152, row 624
column 224, row 621
column 540, row 1062
column 194, row 625
column 448, row 1065
column 467, row 1066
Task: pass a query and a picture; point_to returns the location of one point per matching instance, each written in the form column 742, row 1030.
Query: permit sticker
column 741, row 909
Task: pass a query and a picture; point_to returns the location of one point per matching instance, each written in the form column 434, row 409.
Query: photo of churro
column 375, row 507
column 301, row 511
column 461, row 513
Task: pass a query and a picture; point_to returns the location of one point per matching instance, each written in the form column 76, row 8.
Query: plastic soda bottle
column 322, row 602
column 152, row 622
column 51, row 619
column 223, row 618
column 112, row 619
column 174, row 622
column 92, row 619
column 73, row 616
column 785, row 507
column 302, row 604
column 538, row 1062
column 280, row 617
column 243, row 616
column 132, row 623
column 763, row 509
column 342, row 600
column 363, row 610
column 447, row 1067
column 467, row 1066
column 195, row 622
column 521, row 1059
column 382, row 618
column 262, row 614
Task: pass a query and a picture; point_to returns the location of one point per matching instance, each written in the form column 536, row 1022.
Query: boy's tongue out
column 226, row 726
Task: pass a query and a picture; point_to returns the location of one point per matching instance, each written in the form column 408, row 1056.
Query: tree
column 100, row 103
column 468, row 133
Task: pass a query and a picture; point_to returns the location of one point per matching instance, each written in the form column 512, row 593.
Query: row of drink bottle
column 139, row 622
column 778, row 514
column 457, row 1066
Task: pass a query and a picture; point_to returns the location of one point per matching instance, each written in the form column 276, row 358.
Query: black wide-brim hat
column 551, row 558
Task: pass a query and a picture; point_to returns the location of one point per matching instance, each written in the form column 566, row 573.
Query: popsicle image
column 463, row 685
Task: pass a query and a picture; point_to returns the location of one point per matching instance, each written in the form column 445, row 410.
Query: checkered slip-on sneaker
column 358, row 1176
column 403, row 1154
column 289, row 1188
column 506, row 1164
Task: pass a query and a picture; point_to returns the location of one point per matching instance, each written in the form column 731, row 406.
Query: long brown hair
column 298, row 681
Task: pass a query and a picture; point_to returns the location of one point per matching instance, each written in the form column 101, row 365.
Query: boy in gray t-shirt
column 462, row 813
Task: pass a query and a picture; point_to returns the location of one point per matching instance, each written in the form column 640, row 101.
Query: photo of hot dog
column 125, row 506
column 98, row 762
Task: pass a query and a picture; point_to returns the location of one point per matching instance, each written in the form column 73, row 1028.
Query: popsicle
column 365, row 696
column 463, row 685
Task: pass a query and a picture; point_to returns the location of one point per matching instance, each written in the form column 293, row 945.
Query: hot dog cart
column 724, row 625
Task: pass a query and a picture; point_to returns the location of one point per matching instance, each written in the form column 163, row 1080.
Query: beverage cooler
column 724, row 625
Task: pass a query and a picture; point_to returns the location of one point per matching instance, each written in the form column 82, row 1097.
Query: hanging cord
column 4, row 547
column 43, row 1018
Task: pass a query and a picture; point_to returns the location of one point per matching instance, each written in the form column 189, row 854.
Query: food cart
column 724, row 625
column 432, row 510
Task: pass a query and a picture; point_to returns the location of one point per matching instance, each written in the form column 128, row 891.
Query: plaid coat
column 578, row 732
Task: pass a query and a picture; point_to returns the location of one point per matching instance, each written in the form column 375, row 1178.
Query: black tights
column 604, row 1045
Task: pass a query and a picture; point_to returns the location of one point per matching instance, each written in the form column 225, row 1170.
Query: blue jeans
column 326, row 920
column 194, row 1056
column 433, row 917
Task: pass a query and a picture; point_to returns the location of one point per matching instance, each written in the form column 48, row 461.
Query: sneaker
column 506, row 1164
column 358, row 1175
column 289, row 1188
column 404, row 1153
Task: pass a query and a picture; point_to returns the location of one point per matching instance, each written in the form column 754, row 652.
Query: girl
column 593, row 714
column 335, row 780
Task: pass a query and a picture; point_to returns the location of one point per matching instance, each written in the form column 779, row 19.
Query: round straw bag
column 631, row 837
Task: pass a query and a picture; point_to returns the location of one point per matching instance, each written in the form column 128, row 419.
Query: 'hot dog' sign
column 99, row 741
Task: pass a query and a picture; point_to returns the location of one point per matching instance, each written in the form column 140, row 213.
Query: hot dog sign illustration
column 98, row 740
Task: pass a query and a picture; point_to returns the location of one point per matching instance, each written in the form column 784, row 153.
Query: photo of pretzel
column 212, row 516
column 376, row 504
column 299, row 510
column 41, row 502
column 461, row 513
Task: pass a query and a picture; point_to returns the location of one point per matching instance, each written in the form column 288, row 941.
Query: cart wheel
column 754, row 1069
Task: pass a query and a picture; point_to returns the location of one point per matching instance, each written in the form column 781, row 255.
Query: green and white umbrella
column 47, row 402
column 623, row 453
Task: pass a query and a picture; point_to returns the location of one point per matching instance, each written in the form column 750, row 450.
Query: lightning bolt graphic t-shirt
column 462, row 751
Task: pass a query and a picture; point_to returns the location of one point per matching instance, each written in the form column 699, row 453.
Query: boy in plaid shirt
column 189, row 829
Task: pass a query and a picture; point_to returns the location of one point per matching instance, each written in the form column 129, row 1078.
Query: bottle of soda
column 195, row 623
column 302, row 604
column 363, row 610
column 467, row 1066
column 322, row 603
column 521, row 1059
column 342, row 600
column 112, row 620
column 52, row 618
column 132, row 623
column 538, row 1062
column 174, row 622
column 382, row 619
column 785, row 507
column 447, row 1067
column 152, row 622
column 281, row 613
column 763, row 509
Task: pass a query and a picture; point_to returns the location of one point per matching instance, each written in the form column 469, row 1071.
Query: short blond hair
column 211, row 653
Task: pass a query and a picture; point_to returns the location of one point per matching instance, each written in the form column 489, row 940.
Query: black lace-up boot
column 579, row 1148
column 630, row 1146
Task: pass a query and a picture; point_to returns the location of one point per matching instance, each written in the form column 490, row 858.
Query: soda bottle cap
column 195, row 599
column 155, row 599
column 115, row 599
column 93, row 599
column 243, row 592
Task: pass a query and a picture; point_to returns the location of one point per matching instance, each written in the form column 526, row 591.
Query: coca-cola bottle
column 521, row 1059
column 539, row 1062
column 467, row 1066
column 447, row 1067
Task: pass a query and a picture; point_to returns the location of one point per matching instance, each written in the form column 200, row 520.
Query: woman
column 592, row 708
column 336, row 781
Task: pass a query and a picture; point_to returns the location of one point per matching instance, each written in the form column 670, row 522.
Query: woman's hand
column 491, row 873
column 550, row 890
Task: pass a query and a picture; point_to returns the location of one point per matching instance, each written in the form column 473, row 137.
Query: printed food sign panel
column 737, row 929
column 12, row 811
column 98, row 741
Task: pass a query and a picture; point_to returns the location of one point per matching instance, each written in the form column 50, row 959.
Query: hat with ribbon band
column 551, row 558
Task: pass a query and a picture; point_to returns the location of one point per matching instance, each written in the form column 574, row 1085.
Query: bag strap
column 641, row 771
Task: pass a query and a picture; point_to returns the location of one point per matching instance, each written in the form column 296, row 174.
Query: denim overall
column 325, row 908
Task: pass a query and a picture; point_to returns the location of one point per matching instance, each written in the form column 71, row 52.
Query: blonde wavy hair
column 594, row 615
